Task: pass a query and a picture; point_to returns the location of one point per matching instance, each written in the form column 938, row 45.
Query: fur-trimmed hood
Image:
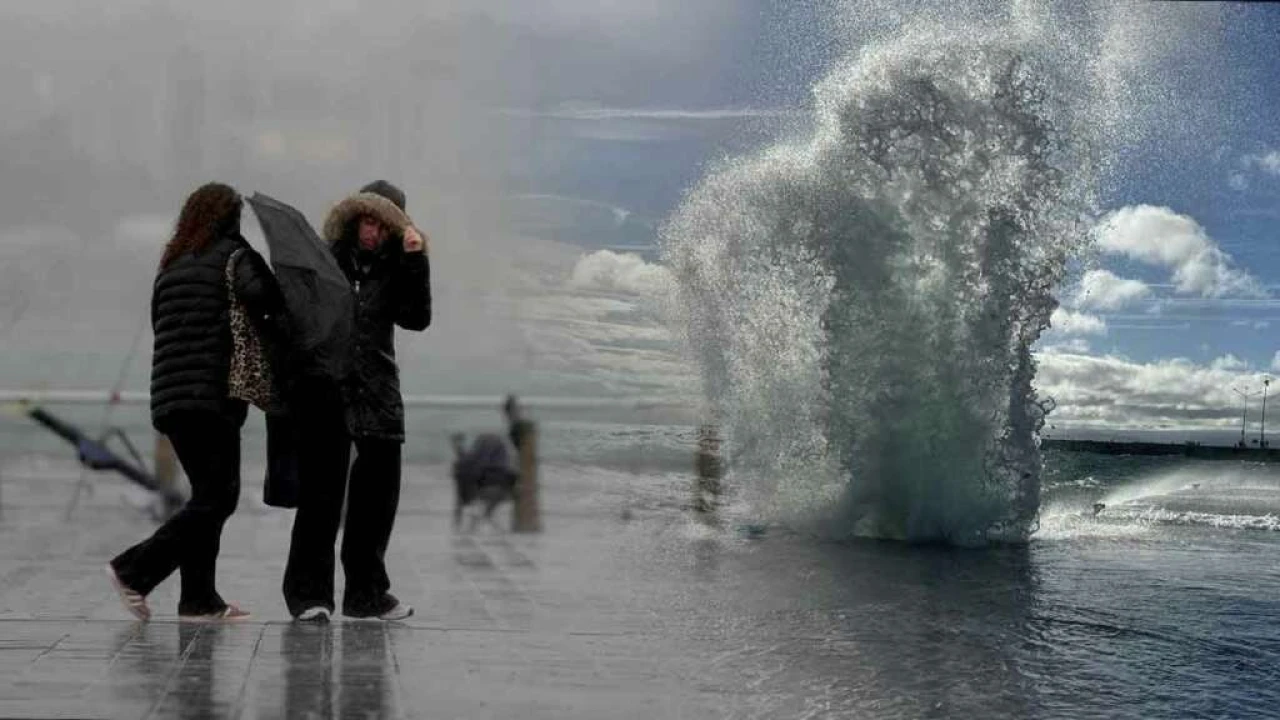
column 364, row 203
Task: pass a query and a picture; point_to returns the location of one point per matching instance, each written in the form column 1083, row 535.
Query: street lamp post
column 1262, row 432
column 1244, row 396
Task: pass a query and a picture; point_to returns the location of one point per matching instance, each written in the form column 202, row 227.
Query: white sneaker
column 396, row 610
column 318, row 614
column 399, row 611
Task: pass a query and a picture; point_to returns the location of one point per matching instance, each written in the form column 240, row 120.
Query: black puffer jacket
column 190, row 316
column 393, row 289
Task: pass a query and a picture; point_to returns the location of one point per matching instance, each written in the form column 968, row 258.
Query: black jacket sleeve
column 413, row 291
column 257, row 288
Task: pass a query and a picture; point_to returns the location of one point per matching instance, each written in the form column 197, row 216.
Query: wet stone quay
column 581, row 620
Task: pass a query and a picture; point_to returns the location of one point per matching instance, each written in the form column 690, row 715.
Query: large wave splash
column 862, row 302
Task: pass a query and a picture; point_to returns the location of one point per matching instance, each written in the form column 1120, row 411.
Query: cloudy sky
column 1179, row 307
column 1174, row 310
column 543, row 144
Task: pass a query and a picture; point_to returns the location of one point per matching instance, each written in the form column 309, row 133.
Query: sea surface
column 1163, row 604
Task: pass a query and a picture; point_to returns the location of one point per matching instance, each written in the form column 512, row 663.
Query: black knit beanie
column 386, row 190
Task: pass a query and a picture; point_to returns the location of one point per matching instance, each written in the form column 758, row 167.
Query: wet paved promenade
column 625, row 608
column 573, row 622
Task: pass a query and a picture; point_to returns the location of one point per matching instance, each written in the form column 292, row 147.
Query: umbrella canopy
column 95, row 455
column 316, row 292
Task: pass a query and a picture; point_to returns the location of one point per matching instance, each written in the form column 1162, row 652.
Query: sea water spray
column 862, row 298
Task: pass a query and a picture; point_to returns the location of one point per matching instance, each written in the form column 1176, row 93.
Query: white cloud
column 1255, row 324
column 565, row 209
column 1266, row 162
column 1065, row 322
column 1271, row 162
column 1275, row 362
column 1074, row 346
column 1159, row 236
column 610, row 272
column 1229, row 362
column 1117, row 393
column 615, row 15
column 1103, row 290
column 595, row 112
column 517, row 323
column 593, row 121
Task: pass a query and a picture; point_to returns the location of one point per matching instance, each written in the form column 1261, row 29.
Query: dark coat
column 392, row 288
column 190, row 317
column 489, row 458
column 487, row 470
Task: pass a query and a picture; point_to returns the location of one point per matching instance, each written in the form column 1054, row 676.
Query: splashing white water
column 862, row 301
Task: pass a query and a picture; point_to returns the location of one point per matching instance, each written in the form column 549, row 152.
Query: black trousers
column 372, row 491
column 208, row 446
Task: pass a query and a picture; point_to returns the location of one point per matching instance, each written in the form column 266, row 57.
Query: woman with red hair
column 207, row 275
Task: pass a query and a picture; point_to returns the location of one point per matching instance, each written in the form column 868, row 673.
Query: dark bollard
column 166, row 473
column 166, row 463
column 709, row 470
column 525, row 516
column 524, row 435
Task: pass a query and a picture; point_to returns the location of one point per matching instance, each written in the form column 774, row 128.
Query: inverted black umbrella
column 95, row 455
column 316, row 292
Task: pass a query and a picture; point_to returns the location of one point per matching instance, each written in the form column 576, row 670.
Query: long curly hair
column 210, row 211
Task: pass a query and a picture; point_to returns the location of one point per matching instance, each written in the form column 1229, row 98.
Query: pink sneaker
column 230, row 613
column 133, row 601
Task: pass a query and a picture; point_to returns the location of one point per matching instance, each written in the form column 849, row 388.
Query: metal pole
column 1243, row 416
column 1262, row 432
column 1244, row 397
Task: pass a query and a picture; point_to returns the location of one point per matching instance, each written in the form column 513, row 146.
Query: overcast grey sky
column 529, row 135
column 117, row 110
